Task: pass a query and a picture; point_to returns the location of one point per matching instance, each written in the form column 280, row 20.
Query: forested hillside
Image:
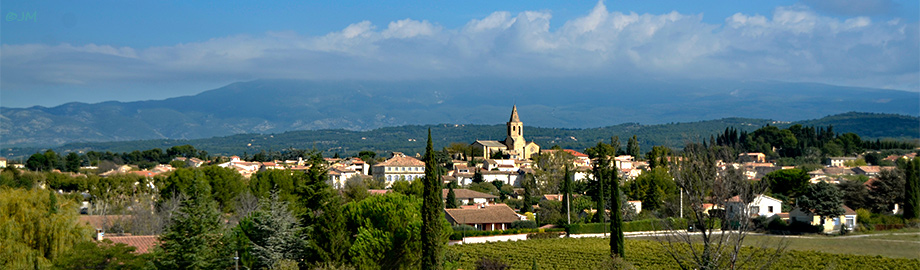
column 411, row 139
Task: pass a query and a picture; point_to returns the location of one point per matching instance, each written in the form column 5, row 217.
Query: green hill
column 411, row 139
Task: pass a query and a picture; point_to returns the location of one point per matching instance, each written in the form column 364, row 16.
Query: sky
column 54, row 52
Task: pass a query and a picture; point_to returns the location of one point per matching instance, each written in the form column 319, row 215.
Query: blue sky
column 55, row 52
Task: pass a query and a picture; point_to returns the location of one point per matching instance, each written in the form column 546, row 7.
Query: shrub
column 777, row 224
column 524, row 224
column 802, row 227
column 487, row 263
column 544, row 235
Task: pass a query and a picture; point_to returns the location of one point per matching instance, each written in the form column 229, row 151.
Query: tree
column 912, row 189
column 432, row 244
column 855, row 194
column 632, row 147
column 101, row 255
column 194, row 239
column 822, row 199
column 387, row 231
column 274, row 233
column 451, row 198
column 528, row 184
column 549, row 170
column 34, row 231
column 567, row 194
column 887, row 190
column 658, row 156
column 701, row 183
column 477, row 177
column 606, row 175
column 790, row 183
column 72, row 162
column 355, row 189
column 654, row 188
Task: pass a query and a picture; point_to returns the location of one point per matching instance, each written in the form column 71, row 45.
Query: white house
column 399, row 167
column 762, row 205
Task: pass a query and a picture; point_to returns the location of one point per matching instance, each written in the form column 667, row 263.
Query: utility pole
column 236, row 260
column 681, row 202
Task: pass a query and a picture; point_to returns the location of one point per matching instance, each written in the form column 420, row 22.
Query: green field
column 590, row 253
column 895, row 244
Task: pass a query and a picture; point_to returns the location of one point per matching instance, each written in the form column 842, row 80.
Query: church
column 514, row 146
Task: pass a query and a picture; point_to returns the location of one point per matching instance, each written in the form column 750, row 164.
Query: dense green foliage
column 102, row 255
column 36, row 228
column 593, row 253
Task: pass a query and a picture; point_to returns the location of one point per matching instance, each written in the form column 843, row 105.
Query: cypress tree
column 567, row 194
column 451, row 197
column 528, row 189
column 431, row 211
column 912, row 189
column 616, row 216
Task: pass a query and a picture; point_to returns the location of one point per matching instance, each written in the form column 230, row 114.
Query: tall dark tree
column 912, row 189
column 451, row 198
column 616, row 214
column 632, row 147
column 887, row 190
column 567, row 194
column 194, row 238
column 822, row 199
column 605, row 175
column 431, row 211
column 528, row 193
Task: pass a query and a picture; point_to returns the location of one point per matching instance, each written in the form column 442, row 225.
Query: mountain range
column 276, row 106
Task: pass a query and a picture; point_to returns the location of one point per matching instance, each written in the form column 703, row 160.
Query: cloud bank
column 795, row 43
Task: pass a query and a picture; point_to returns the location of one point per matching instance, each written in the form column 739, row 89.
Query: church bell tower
column 515, row 140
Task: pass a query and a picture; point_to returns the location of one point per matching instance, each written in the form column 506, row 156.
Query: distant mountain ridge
column 275, row 106
column 411, row 139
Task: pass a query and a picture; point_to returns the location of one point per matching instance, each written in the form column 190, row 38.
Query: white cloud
column 793, row 44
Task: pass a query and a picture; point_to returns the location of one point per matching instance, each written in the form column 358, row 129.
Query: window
column 770, row 209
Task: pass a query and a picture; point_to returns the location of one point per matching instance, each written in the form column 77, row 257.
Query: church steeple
column 514, row 115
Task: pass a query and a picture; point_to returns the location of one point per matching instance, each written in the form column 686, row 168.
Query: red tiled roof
column 467, row 194
column 498, row 213
column 143, row 243
column 402, row 161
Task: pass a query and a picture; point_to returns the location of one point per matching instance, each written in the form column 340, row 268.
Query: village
column 507, row 187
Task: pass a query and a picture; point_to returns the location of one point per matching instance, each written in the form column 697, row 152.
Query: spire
column 514, row 115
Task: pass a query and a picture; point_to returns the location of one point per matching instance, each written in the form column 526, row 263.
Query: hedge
column 459, row 235
column 632, row 226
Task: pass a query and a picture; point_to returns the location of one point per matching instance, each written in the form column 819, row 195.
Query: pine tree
column 431, row 211
column 912, row 189
column 194, row 238
column 616, row 215
column 451, row 197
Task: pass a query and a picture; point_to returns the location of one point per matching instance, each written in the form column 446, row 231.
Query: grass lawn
column 590, row 253
column 895, row 243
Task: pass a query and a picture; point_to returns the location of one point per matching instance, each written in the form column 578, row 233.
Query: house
column 399, row 166
column 762, row 205
column 142, row 243
column 867, row 170
column 514, row 144
column 838, row 161
column 465, row 196
column 752, row 157
column 484, row 217
column 2, row 163
column 339, row 174
column 830, row 224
